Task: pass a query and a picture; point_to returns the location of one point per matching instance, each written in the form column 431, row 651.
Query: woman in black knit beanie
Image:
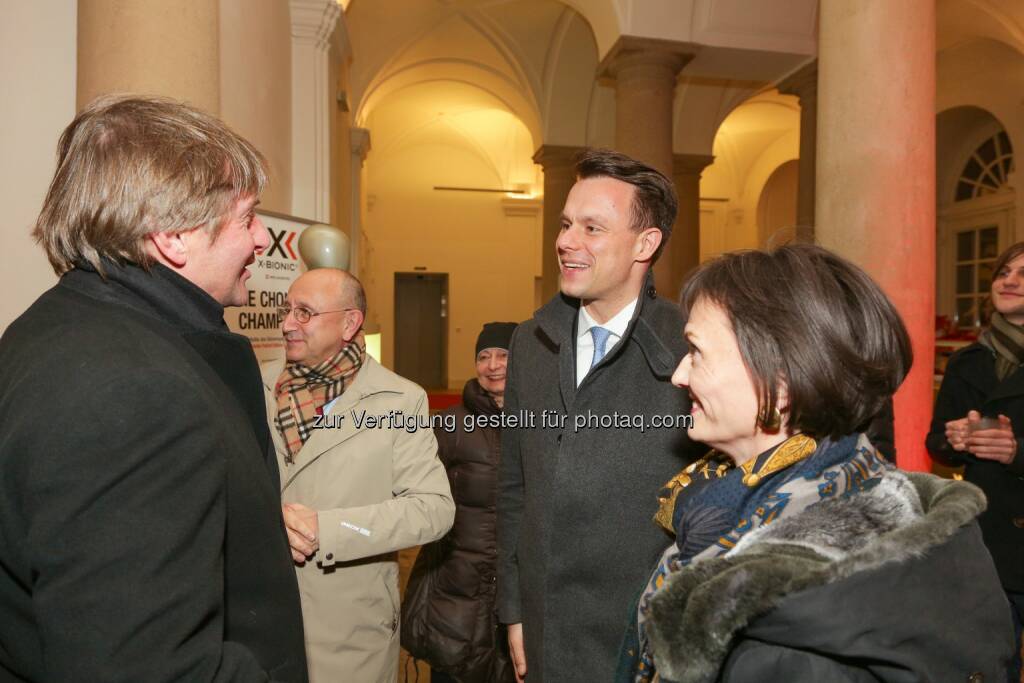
column 448, row 615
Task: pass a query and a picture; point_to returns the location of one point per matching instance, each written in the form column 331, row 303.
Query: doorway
column 421, row 328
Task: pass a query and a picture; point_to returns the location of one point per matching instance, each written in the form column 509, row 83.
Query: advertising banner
column 272, row 274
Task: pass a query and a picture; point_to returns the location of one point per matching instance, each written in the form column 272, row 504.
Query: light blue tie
column 600, row 336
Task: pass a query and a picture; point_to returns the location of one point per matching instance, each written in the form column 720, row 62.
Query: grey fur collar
column 699, row 610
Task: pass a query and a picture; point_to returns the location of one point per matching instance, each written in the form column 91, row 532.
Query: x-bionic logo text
column 281, row 242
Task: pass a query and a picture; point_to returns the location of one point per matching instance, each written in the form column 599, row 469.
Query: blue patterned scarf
column 711, row 505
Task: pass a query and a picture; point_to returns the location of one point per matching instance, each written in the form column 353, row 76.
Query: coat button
column 1018, row 522
column 976, row 677
column 330, row 556
column 652, row 292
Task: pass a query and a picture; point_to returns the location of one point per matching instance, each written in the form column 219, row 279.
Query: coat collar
column 478, row 401
column 371, row 380
column 557, row 321
column 692, row 624
column 157, row 292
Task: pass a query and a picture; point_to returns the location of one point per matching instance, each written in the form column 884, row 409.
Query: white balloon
column 324, row 246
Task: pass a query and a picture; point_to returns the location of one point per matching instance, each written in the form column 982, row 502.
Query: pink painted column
column 875, row 176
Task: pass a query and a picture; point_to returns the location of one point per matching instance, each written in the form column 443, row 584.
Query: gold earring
column 772, row 423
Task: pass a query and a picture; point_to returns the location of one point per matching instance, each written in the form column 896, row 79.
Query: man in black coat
column 140, row 529
column 578, row 489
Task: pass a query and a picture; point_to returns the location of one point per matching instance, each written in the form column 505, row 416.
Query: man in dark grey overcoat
column 577, row 491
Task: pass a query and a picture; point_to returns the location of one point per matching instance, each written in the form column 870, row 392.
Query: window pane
column 1004, row 143
column 989, row 243
column 1007, row 166
column 965, row 279
column 985, row 276
column 987, row 151
column 964, row 191
column 965, row 246
column 965, row 311
column 972, row 170
column 990, row 181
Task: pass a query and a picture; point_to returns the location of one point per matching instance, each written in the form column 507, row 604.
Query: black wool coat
column 140, row 529
column 970, row 383
column 576, row 540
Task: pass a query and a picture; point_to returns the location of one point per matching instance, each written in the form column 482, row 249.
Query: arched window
column 987, row 170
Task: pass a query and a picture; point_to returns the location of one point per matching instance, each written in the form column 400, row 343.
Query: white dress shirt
column 585, row 341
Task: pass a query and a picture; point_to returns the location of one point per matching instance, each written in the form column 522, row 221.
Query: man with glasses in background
column 360, row 477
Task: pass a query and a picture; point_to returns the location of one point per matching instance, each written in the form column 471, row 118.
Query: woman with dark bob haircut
column 800, row 554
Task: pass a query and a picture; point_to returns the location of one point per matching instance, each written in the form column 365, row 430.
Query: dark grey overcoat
column 576, row 540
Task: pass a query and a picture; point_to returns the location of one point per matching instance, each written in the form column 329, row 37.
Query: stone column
column 876, row 172
column 557, row 161
column 313, row 30
column 360, row 138
column 804, row 84
column 153, row 47
column 685, row 242
column 644, row 72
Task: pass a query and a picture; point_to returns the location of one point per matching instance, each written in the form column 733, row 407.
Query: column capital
column 360, row 142
column 556, row 156
column 630, row 51
column 691, row 164
column 313, row 21
column 803, row 82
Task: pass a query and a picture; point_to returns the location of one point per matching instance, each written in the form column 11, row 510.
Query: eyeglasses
column 304, row 315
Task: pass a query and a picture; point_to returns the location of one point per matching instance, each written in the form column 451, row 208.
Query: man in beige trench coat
column 360, row 478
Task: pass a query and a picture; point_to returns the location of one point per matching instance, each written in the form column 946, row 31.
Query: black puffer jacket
column 448, row 616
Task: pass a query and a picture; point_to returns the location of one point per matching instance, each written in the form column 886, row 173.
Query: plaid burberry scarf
column 301, row 391
column 1007, row 340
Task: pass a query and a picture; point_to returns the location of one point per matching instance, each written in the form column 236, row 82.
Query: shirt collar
column 616, row 325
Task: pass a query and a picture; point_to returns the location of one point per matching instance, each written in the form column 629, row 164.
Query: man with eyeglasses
column 360, row 477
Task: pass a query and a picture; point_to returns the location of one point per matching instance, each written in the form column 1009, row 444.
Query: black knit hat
column 495, row 336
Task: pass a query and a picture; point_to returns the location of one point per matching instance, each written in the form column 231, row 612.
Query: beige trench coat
column 377, row 490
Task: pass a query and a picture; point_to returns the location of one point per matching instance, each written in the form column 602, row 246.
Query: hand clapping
column 993, row 443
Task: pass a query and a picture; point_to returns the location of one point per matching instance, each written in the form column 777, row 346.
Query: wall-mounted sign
column 272, row 274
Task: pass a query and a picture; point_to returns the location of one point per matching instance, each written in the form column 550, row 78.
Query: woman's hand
column 956, row 433
column 997, row 444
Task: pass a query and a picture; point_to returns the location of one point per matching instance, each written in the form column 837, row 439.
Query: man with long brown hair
column 140, row 529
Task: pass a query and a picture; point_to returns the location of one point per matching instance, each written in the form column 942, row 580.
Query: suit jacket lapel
column 567, row 373
column 557, row 321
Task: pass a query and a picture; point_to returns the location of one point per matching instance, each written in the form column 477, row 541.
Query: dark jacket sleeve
column 510, row 502
column 953, row 402
column 126, row 519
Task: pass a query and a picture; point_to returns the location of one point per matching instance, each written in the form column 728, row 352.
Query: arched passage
column 429, row 137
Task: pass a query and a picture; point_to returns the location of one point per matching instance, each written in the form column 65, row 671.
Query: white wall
column 38, row 54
